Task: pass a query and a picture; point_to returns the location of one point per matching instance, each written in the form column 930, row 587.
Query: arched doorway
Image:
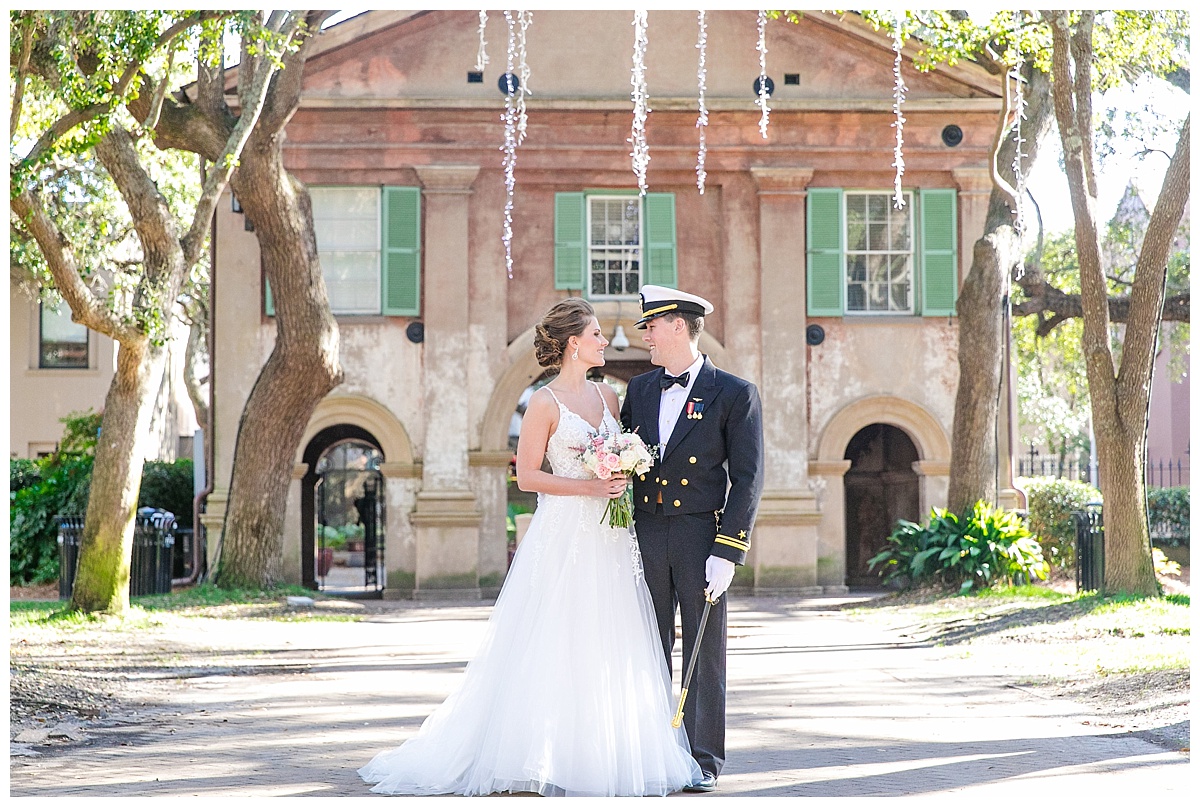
column 343, row 513
column 881, row 487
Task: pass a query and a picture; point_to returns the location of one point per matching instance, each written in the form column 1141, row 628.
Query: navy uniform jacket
column 692, row 475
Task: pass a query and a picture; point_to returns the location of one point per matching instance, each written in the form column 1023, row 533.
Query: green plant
column 21, row 474
column 169, row 486
column 61, row 488
column 977, row 550
column 1051, row 502
column 1170, row 515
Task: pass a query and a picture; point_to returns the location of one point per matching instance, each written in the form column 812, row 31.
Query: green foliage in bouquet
column 975, row 551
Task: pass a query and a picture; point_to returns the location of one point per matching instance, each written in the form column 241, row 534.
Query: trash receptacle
column 150, row 565
column 1089, row 548
column 70, row 530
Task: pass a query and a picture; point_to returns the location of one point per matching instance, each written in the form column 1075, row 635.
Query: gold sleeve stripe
column 733, row 542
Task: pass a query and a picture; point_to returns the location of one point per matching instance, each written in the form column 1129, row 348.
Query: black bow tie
column 668, row 381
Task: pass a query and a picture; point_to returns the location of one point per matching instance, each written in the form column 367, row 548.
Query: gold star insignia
column 742, row 534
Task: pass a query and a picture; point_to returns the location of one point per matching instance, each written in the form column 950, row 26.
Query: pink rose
column 612, row 461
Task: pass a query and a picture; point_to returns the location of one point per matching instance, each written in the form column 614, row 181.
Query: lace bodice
column 572, row 434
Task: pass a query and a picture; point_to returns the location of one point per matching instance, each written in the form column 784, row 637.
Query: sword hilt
column 677, row 721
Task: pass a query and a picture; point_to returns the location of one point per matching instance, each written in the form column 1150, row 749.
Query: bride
column 569, row 692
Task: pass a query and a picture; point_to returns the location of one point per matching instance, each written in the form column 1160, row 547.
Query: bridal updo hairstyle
column 564, row 320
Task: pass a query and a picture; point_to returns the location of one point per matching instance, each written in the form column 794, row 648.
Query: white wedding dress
column 569, row 692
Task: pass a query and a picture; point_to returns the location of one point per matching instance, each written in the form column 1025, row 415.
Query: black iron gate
column 350, row 522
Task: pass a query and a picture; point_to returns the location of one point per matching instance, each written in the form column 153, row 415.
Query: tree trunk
column 1120, row 399
column 981, row 324
column 197, row 346
column 102, row 574
column 303, row 367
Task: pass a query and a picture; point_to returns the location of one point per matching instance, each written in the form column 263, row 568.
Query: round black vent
column 508, row 83
column 814, row 334
column 770, row 86
column 415, row 332
column 952, row 135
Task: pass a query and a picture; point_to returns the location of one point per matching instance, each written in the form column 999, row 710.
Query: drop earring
column 575, row 355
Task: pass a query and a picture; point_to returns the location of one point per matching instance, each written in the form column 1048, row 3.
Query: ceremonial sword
column 677, row 721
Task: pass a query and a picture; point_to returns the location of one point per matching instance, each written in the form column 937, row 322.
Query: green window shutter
column 659, row 240
column 401, row 252
column 570, row 240
column 826, row 287
column 939, row 252
column 270, row 304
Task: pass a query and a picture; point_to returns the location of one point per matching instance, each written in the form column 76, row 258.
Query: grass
column 205, row 600
column 1037, row 630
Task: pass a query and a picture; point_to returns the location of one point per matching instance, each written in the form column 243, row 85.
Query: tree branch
column 78, row 116
column 1044, row 298
column 86, row 309
column 224, row 166
column 22, row 71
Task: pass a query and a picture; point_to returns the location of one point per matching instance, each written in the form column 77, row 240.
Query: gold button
column 646, row 499
column 683, row 481
column 692, row 460
column 642, row 477
column 677, row 502
column 664, row 483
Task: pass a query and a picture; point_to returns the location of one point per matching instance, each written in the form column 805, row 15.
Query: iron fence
column 150, row 565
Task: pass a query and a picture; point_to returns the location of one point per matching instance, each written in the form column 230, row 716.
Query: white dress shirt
column 670, row 405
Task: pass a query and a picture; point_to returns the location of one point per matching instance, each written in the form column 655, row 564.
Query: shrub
column 21, row 474
column 1170, row 513
column 169, row 486
column 62, row 488
column 977, row 550
column 1051, row 502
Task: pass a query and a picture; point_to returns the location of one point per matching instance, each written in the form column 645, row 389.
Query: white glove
column 718, row 573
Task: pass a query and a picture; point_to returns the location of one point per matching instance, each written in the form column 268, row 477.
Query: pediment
column 586, row 56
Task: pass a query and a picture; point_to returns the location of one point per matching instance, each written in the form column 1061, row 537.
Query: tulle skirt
column 569, row 692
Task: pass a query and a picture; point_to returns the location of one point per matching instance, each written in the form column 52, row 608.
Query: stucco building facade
column 837, row 305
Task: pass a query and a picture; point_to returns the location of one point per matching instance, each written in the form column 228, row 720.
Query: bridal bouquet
column 619, row 453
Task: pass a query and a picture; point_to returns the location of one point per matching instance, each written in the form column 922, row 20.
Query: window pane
column 856, row 268
column 855, row 297
column 352, row 279
column 615, row 245
column 877, row 205
column 878, row 297
column 899, row 268
column 878, row 234
column 901, row 232
column 878, row 265
column 63, row 343
column 346, row 222
column 900, row 297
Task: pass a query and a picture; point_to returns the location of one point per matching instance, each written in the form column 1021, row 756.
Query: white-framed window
column 614, row 228
column 62, row 344
column 879, row 253
column 347, row 224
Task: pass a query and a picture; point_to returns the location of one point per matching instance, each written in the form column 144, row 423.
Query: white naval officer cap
column 659, row 300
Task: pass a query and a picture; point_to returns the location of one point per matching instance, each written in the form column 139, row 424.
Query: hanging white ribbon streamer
column 898, row 96
column 702, row 119
column 510, row 146
column 761, row 101
column 641, row 107
column 481, row 58
column 1018, row 107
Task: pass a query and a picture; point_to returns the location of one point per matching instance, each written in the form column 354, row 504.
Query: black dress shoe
column 707, row 784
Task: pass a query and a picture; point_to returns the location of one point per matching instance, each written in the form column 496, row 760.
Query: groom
column 695, row 508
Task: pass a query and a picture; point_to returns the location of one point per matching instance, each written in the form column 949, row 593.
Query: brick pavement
column 819, row 706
